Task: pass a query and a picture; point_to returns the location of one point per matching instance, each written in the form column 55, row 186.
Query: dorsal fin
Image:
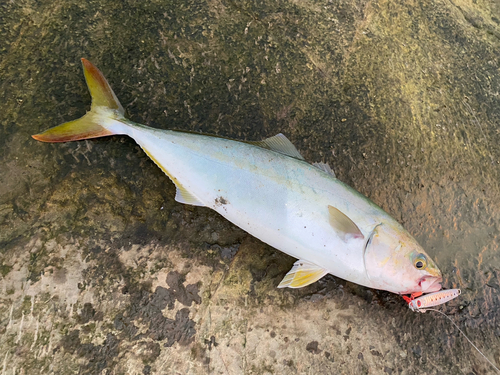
column 281, row 144
column 325, row 168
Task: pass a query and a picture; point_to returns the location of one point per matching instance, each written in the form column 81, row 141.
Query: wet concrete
column 101, row 271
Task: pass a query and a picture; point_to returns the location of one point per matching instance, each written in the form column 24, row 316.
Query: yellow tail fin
column 104, row 105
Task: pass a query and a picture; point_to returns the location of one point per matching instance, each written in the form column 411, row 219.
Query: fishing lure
column 421, row 303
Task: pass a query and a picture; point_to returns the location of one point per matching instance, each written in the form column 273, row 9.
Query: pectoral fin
column 302, row 274
column 342, row 224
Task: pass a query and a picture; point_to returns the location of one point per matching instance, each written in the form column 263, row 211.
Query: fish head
column 395, row 262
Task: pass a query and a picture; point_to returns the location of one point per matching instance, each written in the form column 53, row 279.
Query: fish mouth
column 430, row 284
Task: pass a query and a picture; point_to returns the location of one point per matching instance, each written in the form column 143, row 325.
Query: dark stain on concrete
column 147, row 307
column 99, row 357
column 87, row 314
column 199, row 351
column 211, row 343
column 144, row 307
column 312, row 347
column 227, row 252
column 185, row 295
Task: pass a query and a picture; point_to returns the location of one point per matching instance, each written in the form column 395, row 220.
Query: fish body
column 281, row 200
column 267, row 189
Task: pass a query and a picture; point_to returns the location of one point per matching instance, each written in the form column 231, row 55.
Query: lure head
column 415, row 305
column 395, row 262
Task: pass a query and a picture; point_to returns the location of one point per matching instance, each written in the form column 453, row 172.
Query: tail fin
column 105, row 106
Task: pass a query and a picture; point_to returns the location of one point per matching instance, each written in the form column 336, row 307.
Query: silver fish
column 270, row 191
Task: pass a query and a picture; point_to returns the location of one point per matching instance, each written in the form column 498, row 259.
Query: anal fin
column 302, row 274
column 184, row 196
column 181, row 194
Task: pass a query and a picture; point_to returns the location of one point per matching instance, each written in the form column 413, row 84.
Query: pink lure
column 433, row 299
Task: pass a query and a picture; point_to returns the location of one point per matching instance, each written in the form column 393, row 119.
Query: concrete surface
column 102, row 272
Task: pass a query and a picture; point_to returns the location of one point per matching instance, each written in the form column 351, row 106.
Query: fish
column 267, row 189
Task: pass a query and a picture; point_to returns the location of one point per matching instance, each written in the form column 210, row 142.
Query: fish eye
column 420, row 262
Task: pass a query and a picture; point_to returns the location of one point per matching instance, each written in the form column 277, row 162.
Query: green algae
column 5, row 269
